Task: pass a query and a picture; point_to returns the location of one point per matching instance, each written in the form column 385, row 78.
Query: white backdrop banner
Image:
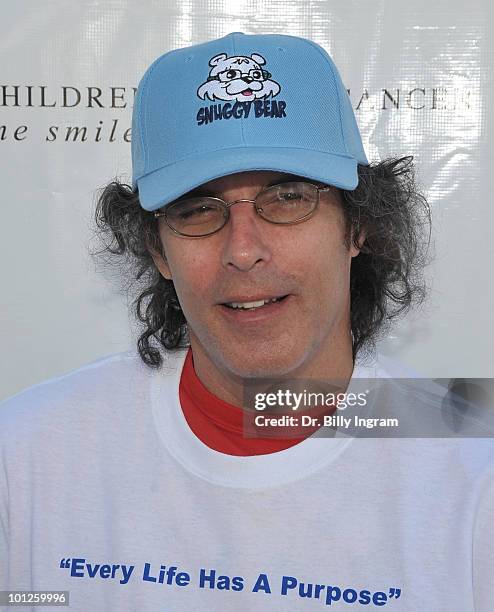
column 419, row 76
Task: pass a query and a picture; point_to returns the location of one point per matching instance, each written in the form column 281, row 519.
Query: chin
column 262, row 357
column 274, row 364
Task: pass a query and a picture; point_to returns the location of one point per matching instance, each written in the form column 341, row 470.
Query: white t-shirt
column 106, row 493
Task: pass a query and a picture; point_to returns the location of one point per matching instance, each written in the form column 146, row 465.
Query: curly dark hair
column 387, row 277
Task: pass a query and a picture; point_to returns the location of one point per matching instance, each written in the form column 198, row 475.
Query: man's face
column 250, row 259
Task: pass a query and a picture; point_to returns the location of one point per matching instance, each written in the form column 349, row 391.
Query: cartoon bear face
column 238, row 78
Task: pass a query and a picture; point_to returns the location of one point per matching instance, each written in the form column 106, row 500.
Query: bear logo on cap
column 238, row 78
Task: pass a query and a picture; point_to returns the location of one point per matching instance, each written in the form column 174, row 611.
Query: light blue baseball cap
column 240, row 103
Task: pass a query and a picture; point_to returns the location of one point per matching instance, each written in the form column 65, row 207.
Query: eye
column 190, row 212
column 229, row 75
column 198, row 211
column 256, row 74
column 290, row 196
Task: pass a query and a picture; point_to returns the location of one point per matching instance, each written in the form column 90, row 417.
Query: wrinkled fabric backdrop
column 420, row 81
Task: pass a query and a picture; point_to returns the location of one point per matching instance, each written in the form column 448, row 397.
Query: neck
column 334, row 361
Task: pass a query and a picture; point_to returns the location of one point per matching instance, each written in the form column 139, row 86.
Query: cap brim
column 166, row 184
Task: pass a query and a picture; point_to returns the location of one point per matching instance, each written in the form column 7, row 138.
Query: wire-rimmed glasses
column 284, row 204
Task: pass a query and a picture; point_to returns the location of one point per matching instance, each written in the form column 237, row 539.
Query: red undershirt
column 219, row 424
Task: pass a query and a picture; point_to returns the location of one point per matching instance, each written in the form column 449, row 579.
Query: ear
column 160, row 262
column 362, row 234
column 217, row 59
column 258, row 58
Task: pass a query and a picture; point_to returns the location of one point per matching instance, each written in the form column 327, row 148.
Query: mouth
column 254, row 304
column 247, row 92
column 255, row 314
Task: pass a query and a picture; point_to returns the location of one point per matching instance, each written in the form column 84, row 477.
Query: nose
column 245, row 245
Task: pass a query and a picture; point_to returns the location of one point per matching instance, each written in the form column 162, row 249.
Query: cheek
column 189, row 277
column 190, row 272
column 327, row 269
column 323, row 250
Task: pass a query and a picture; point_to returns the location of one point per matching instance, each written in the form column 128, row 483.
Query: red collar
column 219, row 424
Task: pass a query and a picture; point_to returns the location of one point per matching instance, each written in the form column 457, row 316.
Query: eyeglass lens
column 285, row 203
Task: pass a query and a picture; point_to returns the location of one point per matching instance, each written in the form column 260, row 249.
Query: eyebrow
column 201, row 191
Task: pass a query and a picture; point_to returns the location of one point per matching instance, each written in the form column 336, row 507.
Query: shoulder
column 448, row 424
column 390, row 367
column 98, row 371
column 97, row 390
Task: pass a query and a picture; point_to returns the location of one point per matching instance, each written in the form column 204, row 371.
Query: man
column 265, row 240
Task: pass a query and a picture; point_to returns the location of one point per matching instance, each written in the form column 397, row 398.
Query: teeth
column 247, row 305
